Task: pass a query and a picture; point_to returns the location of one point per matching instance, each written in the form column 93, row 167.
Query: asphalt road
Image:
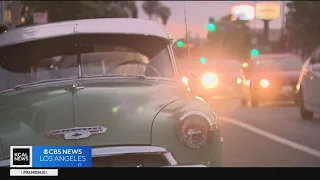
column 271, row 135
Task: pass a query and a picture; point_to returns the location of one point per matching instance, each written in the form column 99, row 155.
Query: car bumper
column 222, row 91
column 274, row 94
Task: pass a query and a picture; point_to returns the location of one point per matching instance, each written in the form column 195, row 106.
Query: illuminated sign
column 268, row 10
column 242, row 11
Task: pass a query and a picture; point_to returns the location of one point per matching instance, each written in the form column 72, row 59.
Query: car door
column 311, row 81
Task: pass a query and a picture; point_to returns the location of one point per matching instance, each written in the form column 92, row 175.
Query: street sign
column 268, row 10
column 243, row 11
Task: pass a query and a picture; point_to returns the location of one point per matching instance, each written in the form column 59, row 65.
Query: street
column 271, row 135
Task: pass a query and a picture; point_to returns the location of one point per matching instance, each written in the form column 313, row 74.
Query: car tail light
column 194, row 129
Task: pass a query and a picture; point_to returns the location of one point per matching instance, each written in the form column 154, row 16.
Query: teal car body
column 110, row 110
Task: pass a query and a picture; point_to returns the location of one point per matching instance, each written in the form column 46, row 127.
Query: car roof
column 84, row 26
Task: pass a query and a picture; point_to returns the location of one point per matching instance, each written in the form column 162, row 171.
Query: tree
column 302, row 25
column 72, row 10
column 150, row 8
column 231, row 38
column 164, row 13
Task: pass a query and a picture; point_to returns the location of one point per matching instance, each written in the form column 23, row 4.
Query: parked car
column 308, row 86
column 101, row 83
column 272, row 77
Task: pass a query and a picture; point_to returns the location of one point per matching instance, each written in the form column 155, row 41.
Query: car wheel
column 244, row 102
column 254, row 103
column 305, row 114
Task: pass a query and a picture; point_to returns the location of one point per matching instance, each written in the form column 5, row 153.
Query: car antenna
column 187, row 34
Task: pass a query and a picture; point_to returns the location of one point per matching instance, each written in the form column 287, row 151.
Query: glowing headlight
column 248, row 82
column 209, row 80
column 185, row 80
column 194, row 130
column 264, row 83
column 239, row 80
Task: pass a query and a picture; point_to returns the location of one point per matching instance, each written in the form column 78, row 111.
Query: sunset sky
column 198, row 13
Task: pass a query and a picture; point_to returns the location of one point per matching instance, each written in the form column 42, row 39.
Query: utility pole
column 16, row 13
column 2, row 11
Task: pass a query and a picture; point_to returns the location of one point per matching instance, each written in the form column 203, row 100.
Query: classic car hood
column 126, row 110
column 127, row 113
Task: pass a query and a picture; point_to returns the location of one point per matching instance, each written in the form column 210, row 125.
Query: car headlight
column 248, row 83
column 194, row 129
column 264, row 83
column 239, row 80
column 209, row 80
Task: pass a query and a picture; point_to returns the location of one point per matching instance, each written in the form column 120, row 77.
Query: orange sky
column 198, row 13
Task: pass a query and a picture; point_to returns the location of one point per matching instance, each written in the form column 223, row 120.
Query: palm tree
column 150, row 8
column 164, row 13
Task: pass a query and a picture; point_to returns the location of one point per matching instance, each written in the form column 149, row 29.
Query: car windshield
column 277, row 63
column 58, row 58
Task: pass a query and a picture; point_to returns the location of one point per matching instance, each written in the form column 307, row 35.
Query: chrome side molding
column 120, row 150
column 5, row 163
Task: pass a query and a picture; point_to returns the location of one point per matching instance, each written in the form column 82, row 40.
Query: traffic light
column 211, row 26
column 180, row 44
column 254, row 52
column 203, row 60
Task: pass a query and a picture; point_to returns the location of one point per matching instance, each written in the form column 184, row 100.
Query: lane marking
column 273, row 137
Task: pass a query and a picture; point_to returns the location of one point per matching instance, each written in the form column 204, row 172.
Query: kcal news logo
column 21, row 156
column 51, row 156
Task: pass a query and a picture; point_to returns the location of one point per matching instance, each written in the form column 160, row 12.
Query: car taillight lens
column 194, row 131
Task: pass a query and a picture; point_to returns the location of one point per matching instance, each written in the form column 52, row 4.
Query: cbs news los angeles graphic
column 30, row 160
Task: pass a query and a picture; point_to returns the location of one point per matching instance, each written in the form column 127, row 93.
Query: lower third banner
column 51, row 156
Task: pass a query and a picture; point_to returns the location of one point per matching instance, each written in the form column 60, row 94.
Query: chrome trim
column 77, row 132
column 173, row 62
column 111, row 151
column 197, row 113
column 5, row 163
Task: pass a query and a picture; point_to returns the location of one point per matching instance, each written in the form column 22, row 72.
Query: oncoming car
column 103, row 83
column 217, row 79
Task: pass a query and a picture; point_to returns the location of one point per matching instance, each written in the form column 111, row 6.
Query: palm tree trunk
column 16, row 14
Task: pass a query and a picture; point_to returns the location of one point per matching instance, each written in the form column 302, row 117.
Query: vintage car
column 103, row 83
